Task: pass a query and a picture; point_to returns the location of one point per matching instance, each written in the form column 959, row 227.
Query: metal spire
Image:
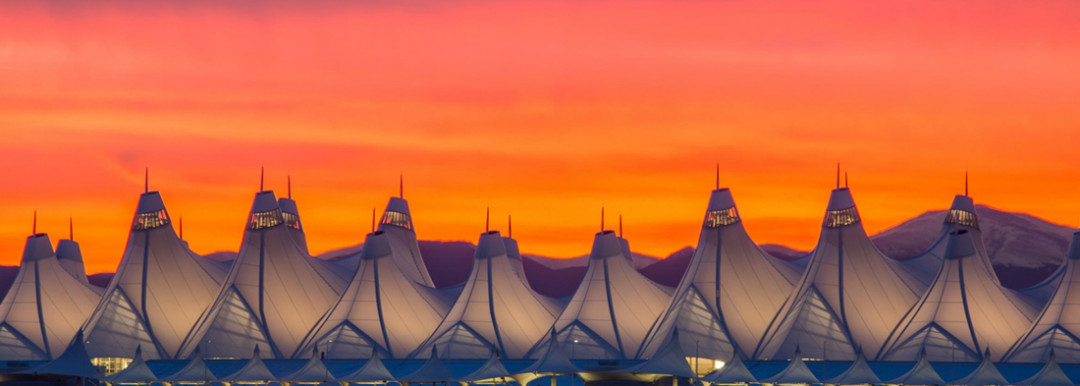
column 965, row 183
column 509, row 226
column 71, row 229
column 718, row 176
column 146, row 180
column 288, row 186
column 262, row 175
column 401, row 185
column 181, row 227
column 845, row 180
column 838, row 175
column 601, row 219
column 487, row 220
column 620, row 224
column 372, row 219
column 33, row 229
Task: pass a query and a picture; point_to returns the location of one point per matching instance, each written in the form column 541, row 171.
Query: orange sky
column 546, row 110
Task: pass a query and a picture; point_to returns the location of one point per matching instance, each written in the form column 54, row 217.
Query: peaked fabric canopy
column 194, row 371
column 986, row 374
column 272, row 296
column 313, row 371
column 1056, row 327
column 733, row 372
column 859, row 373
column 74, row 361
column 669, row 360
column 795, row 372
column 497, row 310
column 1051, row 374
column 136, row 372
column 491, row 371
column 397, row 223
column 612, row 309
column 71, row 259
column 961, row 215
column 433, row 370
column 963, row 312
column 159, row 290
column 382, row 308
column 552, row 361
column 850, row 295
column 921, row 374
column 730, row 291
column 253, row 371
column 44, row 307
column 372, row 371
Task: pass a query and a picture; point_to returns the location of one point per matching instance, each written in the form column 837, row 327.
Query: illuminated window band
column 260, row 220
column 962, row 217
column 150, row 220
column 722, row 217
column 397, row 219
column 291, row 220
column 110, row 365
column 842, row 217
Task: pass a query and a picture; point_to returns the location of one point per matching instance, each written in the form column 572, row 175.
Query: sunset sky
column 546, row 110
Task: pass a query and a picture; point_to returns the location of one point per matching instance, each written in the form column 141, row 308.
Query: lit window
column 962, row 217
column 110, row 365
column 719, row 218
column 397, row 219
column 842, row 217
column 267, row 219
column 150, row 220
column 703, row 366
column 291, row 220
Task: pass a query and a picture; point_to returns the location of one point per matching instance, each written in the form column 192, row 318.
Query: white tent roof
column 669, row 359
column 859, row 373
column 253, row 371
column 730, row 292
column 497, row 310
column 612, row 309
column 961, row 215
column 74, row 361
column 920, row 374
column 397, row 223
column 331, row 271
column 986, row 374
column 372, row 371
column 272, row 296
column 44, row 307
column 433, row 370
column 963, row 312
column 795, row 372
column 159, row 290
column 1056, row 327
column 381, row 308
column 71, row 259
column 136, row 372
column 850, row 295
column 1050, row 375
column 492, row 369
column 733, row 372
column 313, row 371
column 194, row 371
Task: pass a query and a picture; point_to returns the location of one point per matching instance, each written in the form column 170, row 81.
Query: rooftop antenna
column 288, row 186
column 33, row 229
column 71, row 229
column 718, row 176
column 401, row 185
column 838, row 175
column 509, row 226
column 372, row 219
column 601, row 219
column 487, row 220
column 146, row 180
column 845, row 180
column 620, row 225
column 262, row 174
